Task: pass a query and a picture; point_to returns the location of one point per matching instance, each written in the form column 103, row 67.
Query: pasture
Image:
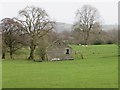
column 98, row 69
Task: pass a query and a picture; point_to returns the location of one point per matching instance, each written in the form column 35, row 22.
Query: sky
column 63, row 10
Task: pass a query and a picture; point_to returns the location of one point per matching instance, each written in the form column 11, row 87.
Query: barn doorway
column 67, row 51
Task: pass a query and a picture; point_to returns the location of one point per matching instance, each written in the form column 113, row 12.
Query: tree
column 36, row 23
column 11, row 36
column 87, row 16
column 112, row 36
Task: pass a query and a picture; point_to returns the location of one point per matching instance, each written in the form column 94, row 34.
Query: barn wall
column 57, row 52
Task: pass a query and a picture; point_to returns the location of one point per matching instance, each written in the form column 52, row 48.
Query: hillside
column 68, row 27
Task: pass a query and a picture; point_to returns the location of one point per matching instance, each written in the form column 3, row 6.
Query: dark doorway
column 67, row 51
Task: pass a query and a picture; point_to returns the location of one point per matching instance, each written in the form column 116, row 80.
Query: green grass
column 98, row 69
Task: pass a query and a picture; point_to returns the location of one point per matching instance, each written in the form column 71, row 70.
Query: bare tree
column 36, row 23
column 112, row 36
column 11, row 36
column 87, row 16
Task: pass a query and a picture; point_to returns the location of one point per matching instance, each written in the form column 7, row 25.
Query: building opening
column 67, row 51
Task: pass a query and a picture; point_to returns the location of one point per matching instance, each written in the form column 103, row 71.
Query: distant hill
column 68, row 27
column 63, row 27
column 109, row 27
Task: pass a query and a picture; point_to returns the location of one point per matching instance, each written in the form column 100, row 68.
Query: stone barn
column 59, row 50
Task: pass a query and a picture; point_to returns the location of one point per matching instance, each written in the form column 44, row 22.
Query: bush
column 98, row 42
column 110, row 42
column 41, row 52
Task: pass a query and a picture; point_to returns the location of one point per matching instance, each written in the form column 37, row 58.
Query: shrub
column 97, row 42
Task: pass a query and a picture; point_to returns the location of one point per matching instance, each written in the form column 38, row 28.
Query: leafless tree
column 11, row 36
column 112, row 36
column 36, row 23
column 86, row 17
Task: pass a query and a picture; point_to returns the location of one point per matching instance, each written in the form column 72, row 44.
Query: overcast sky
column 63, row 11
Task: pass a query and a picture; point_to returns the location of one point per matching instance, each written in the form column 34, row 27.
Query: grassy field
column 98, row 69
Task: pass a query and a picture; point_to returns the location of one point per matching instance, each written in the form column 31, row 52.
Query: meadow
column 98, row 69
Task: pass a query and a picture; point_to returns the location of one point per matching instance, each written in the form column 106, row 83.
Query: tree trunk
column 3, row 50
column 43, row 57
column 11, row 53
column 86, row 41
column 32, row 49
column 3, row 55
column 86, row 38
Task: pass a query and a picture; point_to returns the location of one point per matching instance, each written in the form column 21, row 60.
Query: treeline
column 97, row 37
column 33, row 28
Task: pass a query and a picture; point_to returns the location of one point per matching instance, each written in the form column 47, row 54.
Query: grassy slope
column 99, row 69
